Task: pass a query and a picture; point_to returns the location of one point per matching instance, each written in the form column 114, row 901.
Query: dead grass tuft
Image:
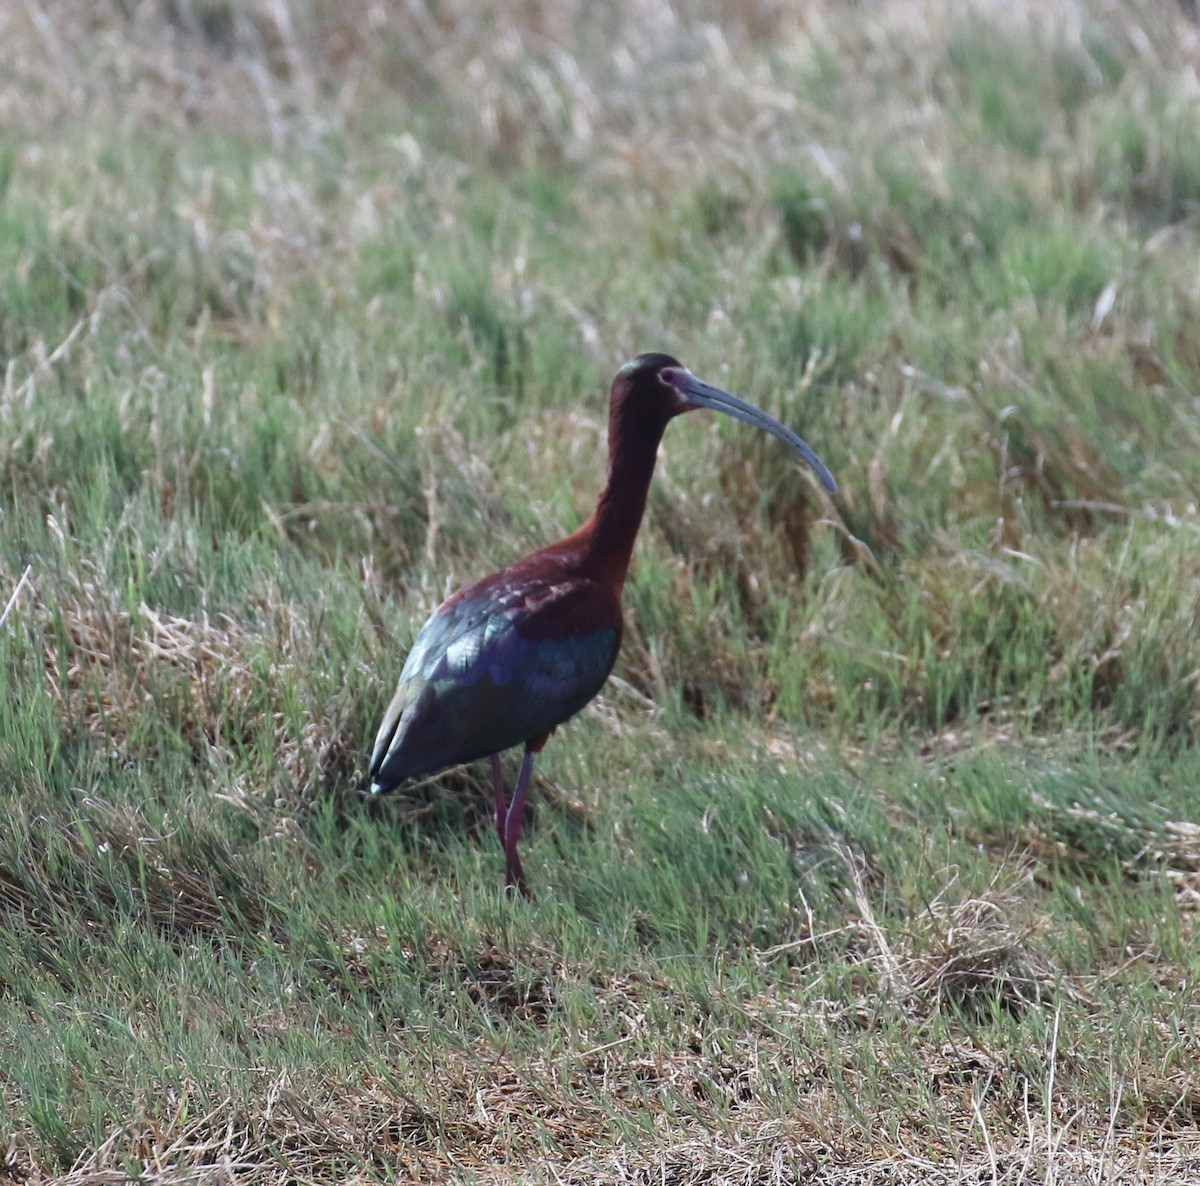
column 220, row 684
column 493, row 984
column 968, row 953
column 977, row 957
column 116, row 660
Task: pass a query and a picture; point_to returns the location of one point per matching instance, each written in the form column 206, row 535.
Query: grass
column 879, row 859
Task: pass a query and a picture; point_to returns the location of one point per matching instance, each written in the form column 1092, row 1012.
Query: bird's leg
column 515, row 876
column 498, row 791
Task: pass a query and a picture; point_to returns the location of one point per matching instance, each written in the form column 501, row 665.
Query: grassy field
column 879, row 860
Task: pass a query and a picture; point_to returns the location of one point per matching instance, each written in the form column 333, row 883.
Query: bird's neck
column 610, row 533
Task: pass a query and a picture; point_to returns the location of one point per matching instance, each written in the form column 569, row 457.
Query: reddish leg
column 498, row 791
column 514, row 875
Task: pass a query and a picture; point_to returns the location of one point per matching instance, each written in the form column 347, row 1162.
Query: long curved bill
column 698, row 394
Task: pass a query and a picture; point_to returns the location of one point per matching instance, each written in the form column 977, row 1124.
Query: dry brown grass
column 217, row 680
column 485, row 1131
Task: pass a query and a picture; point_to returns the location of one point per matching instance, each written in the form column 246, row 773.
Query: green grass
column 880, row 854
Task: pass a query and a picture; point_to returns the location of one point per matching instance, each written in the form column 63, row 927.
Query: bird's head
column 652, row 389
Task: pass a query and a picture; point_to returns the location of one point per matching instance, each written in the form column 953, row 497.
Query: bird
column 504, row 661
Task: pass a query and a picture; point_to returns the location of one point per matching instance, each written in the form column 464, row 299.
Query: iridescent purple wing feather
column 495, row 667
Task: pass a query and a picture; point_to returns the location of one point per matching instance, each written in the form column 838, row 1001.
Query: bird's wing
column 494, row 667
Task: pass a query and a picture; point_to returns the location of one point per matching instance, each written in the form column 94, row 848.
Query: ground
column 878, row 861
